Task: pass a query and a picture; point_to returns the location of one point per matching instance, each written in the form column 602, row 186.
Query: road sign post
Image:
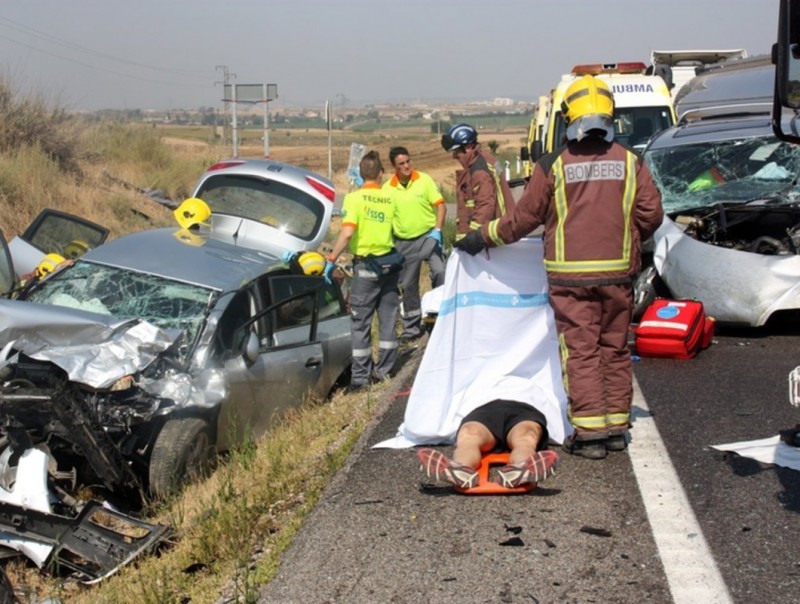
column 251, row 93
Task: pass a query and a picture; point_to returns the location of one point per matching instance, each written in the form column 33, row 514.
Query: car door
column 287, row 367
column 54, row 232
column 7, row 275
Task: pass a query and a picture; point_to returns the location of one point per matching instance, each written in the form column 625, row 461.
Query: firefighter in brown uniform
column 597, row 201
column 482, row 193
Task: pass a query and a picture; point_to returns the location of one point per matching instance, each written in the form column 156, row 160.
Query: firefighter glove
column 328, row 274
column 472, row 242
column 435, row 234
column 288, row 256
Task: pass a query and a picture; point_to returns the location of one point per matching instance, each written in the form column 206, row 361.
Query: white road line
column 692, row 574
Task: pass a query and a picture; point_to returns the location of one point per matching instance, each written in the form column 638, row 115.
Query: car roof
column 720, row 127
column 742, row 82
column 196, row 256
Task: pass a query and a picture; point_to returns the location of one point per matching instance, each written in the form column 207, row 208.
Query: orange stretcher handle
column 487, row 487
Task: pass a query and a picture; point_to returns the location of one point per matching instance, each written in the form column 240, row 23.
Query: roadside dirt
column 428, row 155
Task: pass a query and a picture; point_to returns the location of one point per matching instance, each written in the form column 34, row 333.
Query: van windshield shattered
column 127, row 294
column 733, row 170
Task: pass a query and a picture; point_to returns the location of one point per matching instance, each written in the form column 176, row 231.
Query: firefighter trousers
column 593, row 323
column 419, row 250
column 371, row 293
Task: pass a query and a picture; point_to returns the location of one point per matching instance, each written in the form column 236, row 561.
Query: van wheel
column 182, row 453
column 646, row 288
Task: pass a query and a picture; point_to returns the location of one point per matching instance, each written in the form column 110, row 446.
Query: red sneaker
column 535, row 468
column 438, row 466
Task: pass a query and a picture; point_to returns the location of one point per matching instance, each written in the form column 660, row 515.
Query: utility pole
column 226, row 82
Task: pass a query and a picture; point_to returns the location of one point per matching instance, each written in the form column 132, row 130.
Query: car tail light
column 320, row 186
column 225, row 164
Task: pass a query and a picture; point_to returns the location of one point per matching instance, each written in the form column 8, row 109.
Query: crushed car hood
column 93, row 349
column 735, row 286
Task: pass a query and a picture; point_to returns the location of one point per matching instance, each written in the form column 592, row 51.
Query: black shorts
column 499, row 416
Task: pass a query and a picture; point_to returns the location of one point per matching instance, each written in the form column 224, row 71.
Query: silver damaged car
column 153, row 351
column 731, row 237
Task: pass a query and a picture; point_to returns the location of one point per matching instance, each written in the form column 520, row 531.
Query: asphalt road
column 598, row 531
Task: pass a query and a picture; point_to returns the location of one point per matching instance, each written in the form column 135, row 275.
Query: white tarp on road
column 765, row 450
column 494, row 338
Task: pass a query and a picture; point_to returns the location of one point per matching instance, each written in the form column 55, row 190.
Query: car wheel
column 182, row 452
column 646, row 288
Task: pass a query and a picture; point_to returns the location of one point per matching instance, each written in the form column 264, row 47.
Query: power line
column 19, row 28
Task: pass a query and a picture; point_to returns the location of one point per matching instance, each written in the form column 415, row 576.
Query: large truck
column 679, row 66
column 642, row 106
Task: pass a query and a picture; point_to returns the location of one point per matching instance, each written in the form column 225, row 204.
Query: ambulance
column 536, row 134
column 643, row 105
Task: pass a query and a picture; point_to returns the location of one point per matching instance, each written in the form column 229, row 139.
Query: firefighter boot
column 590, row 449
column 616, row 442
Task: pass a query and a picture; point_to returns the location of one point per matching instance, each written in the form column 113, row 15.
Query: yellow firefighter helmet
column 192, row 212
column 48, row 265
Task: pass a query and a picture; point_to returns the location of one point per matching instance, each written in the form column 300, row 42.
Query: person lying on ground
column 499, row 425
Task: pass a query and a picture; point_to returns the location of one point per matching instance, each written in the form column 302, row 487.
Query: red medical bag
column 675, row 329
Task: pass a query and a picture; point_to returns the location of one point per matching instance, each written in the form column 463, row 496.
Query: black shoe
column 379, row 379
column 353, row 388
column 590, row 449
column 409, row 338
column 618, row 442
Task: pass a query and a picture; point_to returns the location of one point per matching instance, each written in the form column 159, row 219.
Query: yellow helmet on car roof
column 48, row 265
column 192, row 212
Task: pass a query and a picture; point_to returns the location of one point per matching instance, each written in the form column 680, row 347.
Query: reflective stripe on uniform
column 361, row 352
column 560, row 264
column 501, row 199
column 491, row 231
column 618, row 419
column 410, row 315
column 564, row 354
column 387, row 345
column 470, row 203
column 590, row 422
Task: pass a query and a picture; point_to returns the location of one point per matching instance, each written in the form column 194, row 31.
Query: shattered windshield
column 126, row 294
column 742, row 169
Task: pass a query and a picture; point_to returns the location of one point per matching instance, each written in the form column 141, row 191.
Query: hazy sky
column 168, row 54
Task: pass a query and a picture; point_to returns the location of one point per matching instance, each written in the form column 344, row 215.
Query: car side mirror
column 537, row 150
column 786, row 57
column 251, row 348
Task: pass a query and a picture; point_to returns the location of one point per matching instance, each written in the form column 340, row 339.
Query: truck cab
column 679, row 66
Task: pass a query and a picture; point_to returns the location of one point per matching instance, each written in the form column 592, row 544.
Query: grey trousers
column 370, row 293
column 419, row 250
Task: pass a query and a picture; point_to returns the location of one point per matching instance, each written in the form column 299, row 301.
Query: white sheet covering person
column 494, row 338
